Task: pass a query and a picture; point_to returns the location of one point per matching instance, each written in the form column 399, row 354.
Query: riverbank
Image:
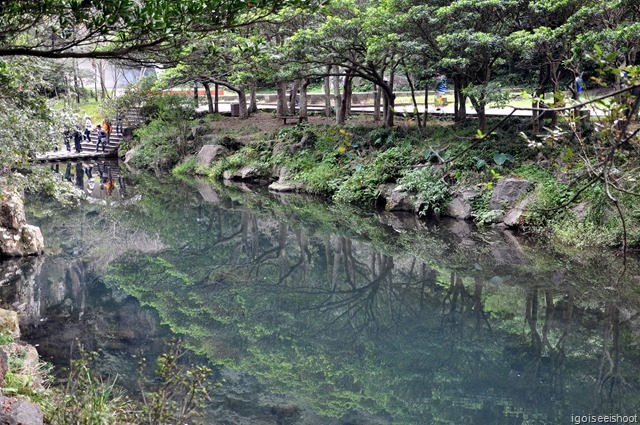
column 445, row 169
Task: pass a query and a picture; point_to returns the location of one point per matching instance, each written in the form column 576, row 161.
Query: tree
column 119, row 29
column 27, row 122
column 359, row 39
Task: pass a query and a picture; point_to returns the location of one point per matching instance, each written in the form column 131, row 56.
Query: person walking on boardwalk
column 66, row 135
column 119, row 123
column 106, row 125
column 88, row 126
column 102, row 137
column 77, row 139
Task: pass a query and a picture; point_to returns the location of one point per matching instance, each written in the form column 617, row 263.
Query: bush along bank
column 440, row 171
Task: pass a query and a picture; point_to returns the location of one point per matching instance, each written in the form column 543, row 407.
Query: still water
column 313, row 313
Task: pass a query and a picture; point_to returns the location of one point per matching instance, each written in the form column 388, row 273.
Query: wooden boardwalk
column 131, row 120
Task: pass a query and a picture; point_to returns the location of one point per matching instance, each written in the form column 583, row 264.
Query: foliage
column 186, row 167
column 361, row 185
column 176, row 395
column 166, row 139
column 89, row 399
column 179, row 393
column 28, row 121
column 432, row 193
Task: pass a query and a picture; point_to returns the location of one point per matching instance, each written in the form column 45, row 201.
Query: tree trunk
column 242, row 100
column 216, row 99
column 327, row 93
column 460, row 99
column 293, row 97
column 336, row 96
column 75, row 80
column 555, row 79
column 479, row 106
column 253, row 101
column 416, row 113
column 195, row 93
column 426, row 103
column 281, row 105
column 376, row 103
column 389, row 104
column 304, row 98
column 207, row 91
column 346, row 98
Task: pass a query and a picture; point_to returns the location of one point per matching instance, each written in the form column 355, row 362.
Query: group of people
column 103, row 130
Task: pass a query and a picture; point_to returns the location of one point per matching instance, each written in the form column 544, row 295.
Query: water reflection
column 356, row 317
column 99, row 179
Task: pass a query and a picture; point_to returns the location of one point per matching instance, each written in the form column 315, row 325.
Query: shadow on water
column 322, row 313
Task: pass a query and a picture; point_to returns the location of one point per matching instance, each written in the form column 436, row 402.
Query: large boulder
column 507, row 192
column 210, row 153
column 17, row 238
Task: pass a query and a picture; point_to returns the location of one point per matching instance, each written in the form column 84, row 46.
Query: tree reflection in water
column 414, row 324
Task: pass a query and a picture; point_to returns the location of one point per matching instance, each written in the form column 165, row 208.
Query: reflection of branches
column 358, row 300
column 611, row 334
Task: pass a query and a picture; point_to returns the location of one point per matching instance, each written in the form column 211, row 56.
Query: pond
column 317, row 313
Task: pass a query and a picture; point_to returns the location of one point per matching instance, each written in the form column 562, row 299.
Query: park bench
column 284, row 118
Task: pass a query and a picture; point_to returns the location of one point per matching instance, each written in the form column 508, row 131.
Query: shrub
column 432, row 193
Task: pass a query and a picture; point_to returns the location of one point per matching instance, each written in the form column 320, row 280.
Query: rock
column 244, row 173
column 508, row 251
column 210, row 153
column 396, row 199
column 4, row 367
column 32, row 240
column 207, row 192
column 513, row 217
column 17, row 238
column 127, row 133
column 11, row 210
column 400, row 221
column 460, row 205
column 129, row 155
column 507, row 192
column 9, row 324
column 196, row 132
column 284, row 187
column 306, row 141
column 19, row 412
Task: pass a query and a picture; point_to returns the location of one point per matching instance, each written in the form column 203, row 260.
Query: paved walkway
column 401, row 110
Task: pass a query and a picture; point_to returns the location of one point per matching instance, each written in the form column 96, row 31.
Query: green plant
column 179, row 391
column 432, row 193
column 89, row 399
column 186, row 167
column 362, row 184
